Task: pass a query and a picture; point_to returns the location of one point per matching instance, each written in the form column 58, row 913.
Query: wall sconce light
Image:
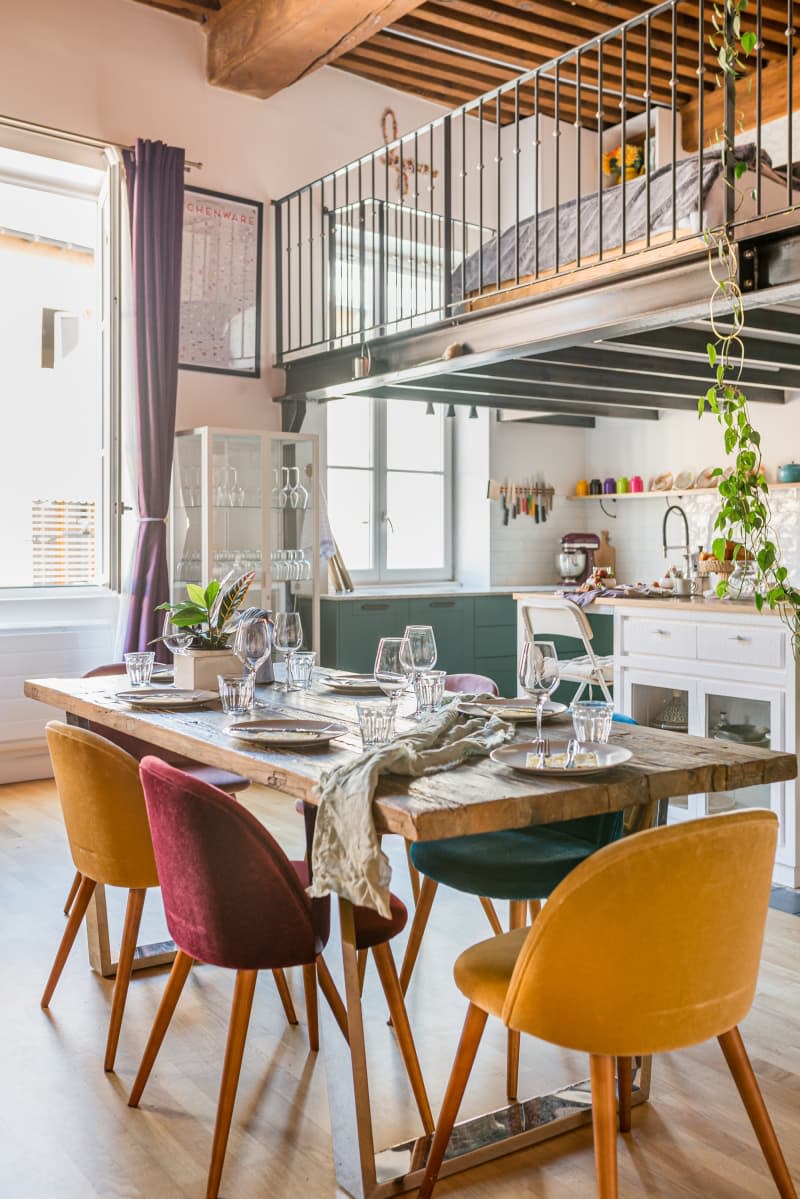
column 473, row 413
column 429, row 409
column 450, row 411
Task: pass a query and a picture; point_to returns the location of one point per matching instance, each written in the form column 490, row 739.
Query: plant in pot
column 207, row 616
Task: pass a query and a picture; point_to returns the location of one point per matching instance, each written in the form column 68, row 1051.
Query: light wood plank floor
column 66, row 1132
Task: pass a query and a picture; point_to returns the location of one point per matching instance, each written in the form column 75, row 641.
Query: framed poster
column 221, row 284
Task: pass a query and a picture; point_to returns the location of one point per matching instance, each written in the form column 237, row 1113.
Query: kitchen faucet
column 684, row 548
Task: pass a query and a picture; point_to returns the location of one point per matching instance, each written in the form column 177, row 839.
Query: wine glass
column 422, row 647
column 288, row 638
column 538, row 674
column 177, row 640
column 252, row 644
column 393, row 666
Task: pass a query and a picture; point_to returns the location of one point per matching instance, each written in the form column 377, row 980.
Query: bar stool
column 233, row 899
column 109, row 839
column 651, row 945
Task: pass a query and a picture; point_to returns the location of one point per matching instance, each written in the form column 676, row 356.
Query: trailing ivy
column 744, row 517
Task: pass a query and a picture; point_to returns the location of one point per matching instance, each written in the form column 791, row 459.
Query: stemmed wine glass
column 422, row 647
column 288, row 638
column 393, row 666
column 176, row 639
column 252, row 645
column 538, row 675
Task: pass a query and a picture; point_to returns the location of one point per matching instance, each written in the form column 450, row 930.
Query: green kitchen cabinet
column 351, row 630
column 451, row 619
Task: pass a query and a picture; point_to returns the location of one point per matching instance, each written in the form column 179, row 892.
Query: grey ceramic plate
column 284, row 733
column 604, row 757
column 166, row 697
column 516, row 710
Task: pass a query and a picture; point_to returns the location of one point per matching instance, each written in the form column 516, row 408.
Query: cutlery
column 572, row 749
column 543, row 750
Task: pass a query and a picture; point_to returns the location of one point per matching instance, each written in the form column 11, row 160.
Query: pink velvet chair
column 477, row 684
column 232, row 898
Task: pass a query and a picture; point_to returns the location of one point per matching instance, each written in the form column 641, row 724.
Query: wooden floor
column 66, row 1132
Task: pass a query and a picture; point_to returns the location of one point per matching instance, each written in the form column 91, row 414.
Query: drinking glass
column 422, row 646
column 288, row 637
column 376, row 723
column 393, row 666
column 140, row 667
column 176, row 640
column 252, row 644
column 591, row 719
column 429, row 690
column 303, row 668
column 538, row 674
column 236, row 693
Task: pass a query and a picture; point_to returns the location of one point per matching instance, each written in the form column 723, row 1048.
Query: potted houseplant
column 207, row 615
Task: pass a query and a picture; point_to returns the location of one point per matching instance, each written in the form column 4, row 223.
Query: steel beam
column 679, row 340
column 531, row 403
column 569, row 422
column 616, row 357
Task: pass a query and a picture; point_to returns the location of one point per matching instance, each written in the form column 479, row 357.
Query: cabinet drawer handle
column 442, row 604
column 663, row 632
column 739, row 637
column 375, row 607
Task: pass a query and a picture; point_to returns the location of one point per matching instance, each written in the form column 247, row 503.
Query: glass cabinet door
column 293, row 528
column 186, row 525
column 236, row 491
column 667, row 704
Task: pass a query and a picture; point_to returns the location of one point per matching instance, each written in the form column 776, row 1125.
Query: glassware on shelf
column 283, row 494
column 674, row 712
column 298, row 495
column 288, row 638
column 539, row 674
column 235, row 491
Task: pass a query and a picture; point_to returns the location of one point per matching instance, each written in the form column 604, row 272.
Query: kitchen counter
column 674, row 604
column 428, row 590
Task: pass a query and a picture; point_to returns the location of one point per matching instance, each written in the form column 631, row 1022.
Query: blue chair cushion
column 525, row 863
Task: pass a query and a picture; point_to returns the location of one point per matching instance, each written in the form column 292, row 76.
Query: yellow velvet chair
column 650, row 945
column 109, row 839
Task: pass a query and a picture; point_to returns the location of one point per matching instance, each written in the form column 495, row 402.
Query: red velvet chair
column 226, row 780
column 232, row 898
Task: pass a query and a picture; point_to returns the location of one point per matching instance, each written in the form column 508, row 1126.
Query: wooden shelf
column 661, row 495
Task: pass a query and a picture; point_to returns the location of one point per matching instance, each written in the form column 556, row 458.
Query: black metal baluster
column 701, row 70
column 648, row 137
column 600, row 130
column 348, row 253
column 516, row 183
column 578, row 132
column 447, row 183
column 789, row 87
column 401, row 181
column 536, row 148
column 415, row 248
column 498, row 161
column 299, row 270
column 480, row 196
column 278, row 209
column 372, row 256
column 673, row 83
column 623, row 108
column 432, row 224
column 334, row 268
column 759, row 53
column 289, row 343
column 556, row 160
column 730, row 130
column 463, row 205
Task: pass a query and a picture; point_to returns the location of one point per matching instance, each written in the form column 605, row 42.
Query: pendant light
column 429, row 409
column 473, row 413
column 450, row 411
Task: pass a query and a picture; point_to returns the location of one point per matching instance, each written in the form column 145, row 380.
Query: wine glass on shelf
column 538, row 675
column 393, row 666
column 288, row 638
column 252, row 644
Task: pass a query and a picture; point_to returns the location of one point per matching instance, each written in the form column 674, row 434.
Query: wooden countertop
column 675, row 604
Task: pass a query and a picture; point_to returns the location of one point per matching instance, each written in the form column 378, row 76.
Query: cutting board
column 606, row 555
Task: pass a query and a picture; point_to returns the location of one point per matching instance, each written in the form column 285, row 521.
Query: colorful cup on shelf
column 609, row 486
column 623, row 485
column 637, row 483
column 595, row 487
column 582, row 487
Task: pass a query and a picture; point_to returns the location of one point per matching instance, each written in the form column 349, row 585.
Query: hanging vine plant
column 745, row 517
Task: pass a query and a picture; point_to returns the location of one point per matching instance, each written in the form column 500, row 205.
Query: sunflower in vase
column 633, row 158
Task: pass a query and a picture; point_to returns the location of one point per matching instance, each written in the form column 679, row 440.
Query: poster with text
column 221, row 284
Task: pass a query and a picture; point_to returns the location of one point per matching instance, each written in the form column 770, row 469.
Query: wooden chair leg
column 459, row 1076
column 335, row 1001
column 747, row 1086
column 73, row 891
column 172, row 993
column 312, row 1014
column 286, row 996
column 422, row 911
column 387, row 972
column 361, row 958
column 534, row 907
column 76, row 915
column 130, row 935
column 241, row 1007
column 413, row 875
column 604, row 1123
column 491, row 915
column 517, row 918
column 624, row 1091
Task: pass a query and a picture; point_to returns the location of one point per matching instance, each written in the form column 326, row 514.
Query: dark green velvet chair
column 521, row 865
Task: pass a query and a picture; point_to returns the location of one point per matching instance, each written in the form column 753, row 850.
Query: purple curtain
column 155, row 196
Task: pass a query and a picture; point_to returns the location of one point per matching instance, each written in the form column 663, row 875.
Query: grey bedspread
column 539, row 256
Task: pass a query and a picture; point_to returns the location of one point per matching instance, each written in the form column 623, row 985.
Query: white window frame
column 381, row 517
column 109, row 249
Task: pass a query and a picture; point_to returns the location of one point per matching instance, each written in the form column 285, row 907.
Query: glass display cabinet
column 248, row 500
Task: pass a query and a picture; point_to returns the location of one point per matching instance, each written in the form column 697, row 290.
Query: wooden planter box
column 197, row 669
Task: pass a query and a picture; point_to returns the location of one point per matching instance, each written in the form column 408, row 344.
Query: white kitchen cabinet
column 715, row 674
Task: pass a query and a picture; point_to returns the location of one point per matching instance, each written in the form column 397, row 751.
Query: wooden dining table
column 476, row 797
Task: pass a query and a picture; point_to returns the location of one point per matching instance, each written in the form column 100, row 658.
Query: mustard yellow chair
column 650, row 945
column 109, row 839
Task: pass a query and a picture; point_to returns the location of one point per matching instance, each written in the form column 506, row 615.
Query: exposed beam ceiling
column 450, row 393
column 262, row 46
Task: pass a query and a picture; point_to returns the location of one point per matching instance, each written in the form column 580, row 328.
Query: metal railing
column 516, row 186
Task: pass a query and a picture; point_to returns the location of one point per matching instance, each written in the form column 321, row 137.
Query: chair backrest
column 652, row 943
column 231, row 895
column 103, row 806
column 475, row 684
column 550, row 616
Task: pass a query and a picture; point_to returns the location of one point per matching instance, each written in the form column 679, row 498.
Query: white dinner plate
column 351, row 684
column 516, row 710
column 285, row 733
column 602, row 757
column 166, row 697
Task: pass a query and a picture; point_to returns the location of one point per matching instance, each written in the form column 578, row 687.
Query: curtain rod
column 79, row 138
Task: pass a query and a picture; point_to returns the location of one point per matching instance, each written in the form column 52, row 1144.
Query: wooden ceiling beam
column 195, row 10
column 774, row 103
column 262, row 46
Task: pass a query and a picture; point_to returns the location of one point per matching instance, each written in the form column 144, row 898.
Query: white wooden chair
column 562, row 618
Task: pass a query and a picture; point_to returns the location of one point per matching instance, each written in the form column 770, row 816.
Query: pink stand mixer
column 576, row 557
